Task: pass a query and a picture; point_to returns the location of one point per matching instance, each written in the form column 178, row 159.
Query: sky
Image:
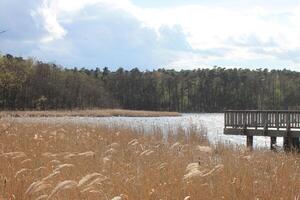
column 150, row 34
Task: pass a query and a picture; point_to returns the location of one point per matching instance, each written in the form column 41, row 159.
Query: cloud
column 49, row 21
column 173, row 37
column 109, row 36
column 119, row 33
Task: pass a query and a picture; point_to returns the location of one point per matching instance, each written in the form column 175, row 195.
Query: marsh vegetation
column 88, row 113
column 52, row 161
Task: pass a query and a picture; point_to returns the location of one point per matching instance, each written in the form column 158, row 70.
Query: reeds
column 40, row 161
column 88, row 113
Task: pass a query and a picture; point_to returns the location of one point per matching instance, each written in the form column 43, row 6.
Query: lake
column 213, row 123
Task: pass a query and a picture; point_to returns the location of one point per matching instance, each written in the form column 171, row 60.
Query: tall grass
column 88, row 113
column 40, row 161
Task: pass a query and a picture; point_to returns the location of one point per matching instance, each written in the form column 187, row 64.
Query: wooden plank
column 256, row 118
column 281, row 111
column 261, row 132
column 261, row 119
column 277, row 120
column 225, row 119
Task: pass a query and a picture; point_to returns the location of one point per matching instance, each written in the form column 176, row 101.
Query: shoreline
column 89, row 113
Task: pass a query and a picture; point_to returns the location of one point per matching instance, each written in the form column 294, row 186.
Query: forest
column 28, row 84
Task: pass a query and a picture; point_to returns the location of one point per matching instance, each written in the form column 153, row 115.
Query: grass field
column 40, row 161
column 88, row 113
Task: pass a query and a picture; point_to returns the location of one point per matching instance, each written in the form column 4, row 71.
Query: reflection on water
column 212, row 122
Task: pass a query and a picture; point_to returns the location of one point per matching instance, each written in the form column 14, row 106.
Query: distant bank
column 89, row 113
column 27, row 84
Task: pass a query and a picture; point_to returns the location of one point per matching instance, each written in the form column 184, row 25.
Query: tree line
column 27, row 84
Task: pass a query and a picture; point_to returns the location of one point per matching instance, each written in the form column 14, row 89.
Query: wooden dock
column 271, row 123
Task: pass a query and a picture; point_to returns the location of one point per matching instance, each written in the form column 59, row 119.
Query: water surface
column 213, row 123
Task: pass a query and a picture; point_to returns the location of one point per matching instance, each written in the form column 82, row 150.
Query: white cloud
column 50, row 23
column 208, row 28
column 180, row 35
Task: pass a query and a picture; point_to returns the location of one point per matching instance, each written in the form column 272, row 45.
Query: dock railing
column 272, row 123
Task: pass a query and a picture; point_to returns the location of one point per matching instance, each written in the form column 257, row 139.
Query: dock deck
column 271, row 123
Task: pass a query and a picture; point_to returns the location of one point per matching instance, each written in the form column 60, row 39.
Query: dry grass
column 68, row 162
column 88, row 113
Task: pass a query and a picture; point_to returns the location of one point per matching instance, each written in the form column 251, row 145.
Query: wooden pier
column 271, row 123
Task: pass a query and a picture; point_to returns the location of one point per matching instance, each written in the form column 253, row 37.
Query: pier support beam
column 286, row 143
column 250, row 142
column 288, row 140
column 296, row 144
column 291, row 144
column 273, row 143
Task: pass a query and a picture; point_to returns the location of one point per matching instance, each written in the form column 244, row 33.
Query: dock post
column 273, row 143
column 295, row 144
column 287, row 141
column 250, row 142
column 249, row 137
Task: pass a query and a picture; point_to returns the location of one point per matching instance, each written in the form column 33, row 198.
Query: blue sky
column 179, row 34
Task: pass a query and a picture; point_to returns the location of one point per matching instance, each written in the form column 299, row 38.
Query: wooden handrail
column 272, row 123
column 262, row 118
column 268, row 111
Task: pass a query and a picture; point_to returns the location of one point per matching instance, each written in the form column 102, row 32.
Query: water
column 213, row 123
